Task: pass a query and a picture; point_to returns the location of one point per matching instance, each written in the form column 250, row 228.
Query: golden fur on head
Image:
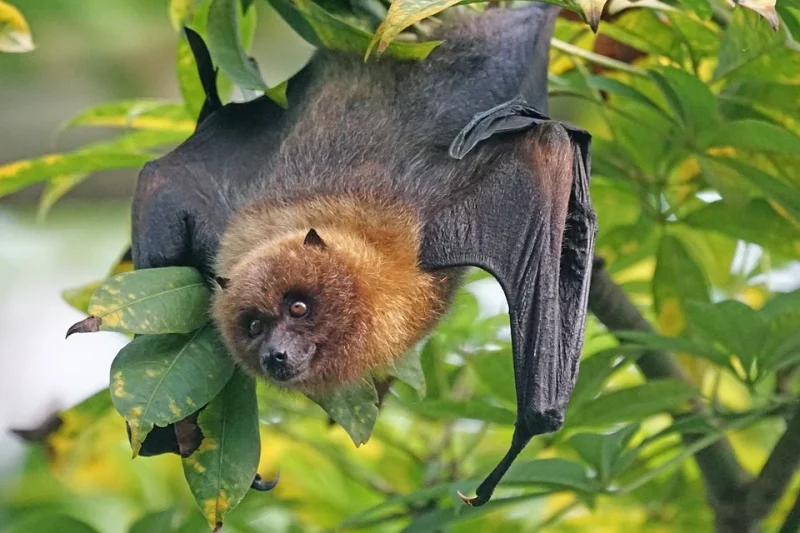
column 370, row 300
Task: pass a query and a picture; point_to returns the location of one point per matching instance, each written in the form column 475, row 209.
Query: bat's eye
column 255, row 328
column 298, row 309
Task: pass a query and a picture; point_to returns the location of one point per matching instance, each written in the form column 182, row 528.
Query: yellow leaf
column 671, row 319
column 15, row 35
column 592, row 10
column 401, row 15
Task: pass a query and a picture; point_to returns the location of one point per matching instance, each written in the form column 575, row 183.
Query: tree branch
column 777, row 472
column 792, row 523
column 724, row 477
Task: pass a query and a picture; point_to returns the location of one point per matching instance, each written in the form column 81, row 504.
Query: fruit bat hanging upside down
column 335, row 232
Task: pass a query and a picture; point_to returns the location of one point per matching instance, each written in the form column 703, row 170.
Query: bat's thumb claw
column 263, row 485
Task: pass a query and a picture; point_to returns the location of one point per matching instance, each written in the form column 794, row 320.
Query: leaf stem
column 593, row 57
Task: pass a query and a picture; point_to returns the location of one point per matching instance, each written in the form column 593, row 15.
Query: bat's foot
column 261, row 485
column 475, row 501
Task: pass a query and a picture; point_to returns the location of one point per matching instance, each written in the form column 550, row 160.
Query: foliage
column 696, row 158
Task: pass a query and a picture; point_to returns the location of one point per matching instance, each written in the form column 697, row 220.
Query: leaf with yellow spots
column 19, row 174
column 355, row 408
column 401, row 15
column 150, row 301
column 221, row 471
column 126, row 151
column 142, row 114
column 15, row 35
column 161, row 379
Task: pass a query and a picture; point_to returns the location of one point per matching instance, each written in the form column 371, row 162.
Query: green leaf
column 605, row 452
column 732, row 325
column 701, row 7
column 161, row 379
column 355, row 408
column 470, row 409
column 48, row 522
column 677, row 278
column 221, row 471
column 691, row 100
column 145, row 114
column 554, row 472
column 495, row 370
column 644, row 30
column 770, row 186
column 765, row 8
column 755, row 135
column 747, row 39
column 401, row 15
column 159, row 522
column 55, row 189
column 433, row 367
column 654, row 341
column 15, row 35
column 613, row 86
column 632, row 404
column 225, row 45
column 152, row 301
column 755, row 222
column 595, row 371
column 294, row 17
column 790, row 18
column 409, row 370
column 320, row 28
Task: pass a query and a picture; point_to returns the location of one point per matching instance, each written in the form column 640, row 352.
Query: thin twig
column 777, row 472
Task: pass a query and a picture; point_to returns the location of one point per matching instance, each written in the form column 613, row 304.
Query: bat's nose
column 275, row 362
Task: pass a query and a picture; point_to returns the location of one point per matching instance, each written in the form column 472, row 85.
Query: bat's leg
column 485, row 490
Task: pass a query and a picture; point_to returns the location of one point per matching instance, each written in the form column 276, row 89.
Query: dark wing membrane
column 183, row 200
column 528, row 222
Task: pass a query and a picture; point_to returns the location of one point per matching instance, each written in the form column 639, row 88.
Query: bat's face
column 292, row 315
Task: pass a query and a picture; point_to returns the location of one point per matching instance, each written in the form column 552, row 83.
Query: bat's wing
column 183, row 200
column 529, row 222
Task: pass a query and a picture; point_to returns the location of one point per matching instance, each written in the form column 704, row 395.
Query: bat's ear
column 313, row 239
column 206, row 72
column 222, row 282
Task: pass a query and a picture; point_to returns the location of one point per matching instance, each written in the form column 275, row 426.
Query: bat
column 336, row 231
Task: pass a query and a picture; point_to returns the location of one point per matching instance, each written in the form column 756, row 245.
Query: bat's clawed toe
column 472, row 502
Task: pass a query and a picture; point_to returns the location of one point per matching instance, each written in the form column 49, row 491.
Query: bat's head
column 313, row 310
